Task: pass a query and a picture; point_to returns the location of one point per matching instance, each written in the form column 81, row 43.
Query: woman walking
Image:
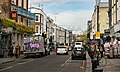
column 17, row 51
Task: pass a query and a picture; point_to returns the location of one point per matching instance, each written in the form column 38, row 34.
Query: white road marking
column 65, row 62
column 26, row 62
column 6, row 68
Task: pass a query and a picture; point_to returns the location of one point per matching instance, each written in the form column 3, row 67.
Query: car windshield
column 61, row 47
column 78, row 43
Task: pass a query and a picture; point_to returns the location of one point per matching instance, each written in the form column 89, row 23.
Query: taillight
column 66, row 49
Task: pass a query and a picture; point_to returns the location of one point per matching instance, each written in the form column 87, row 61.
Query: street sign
column 97, row 35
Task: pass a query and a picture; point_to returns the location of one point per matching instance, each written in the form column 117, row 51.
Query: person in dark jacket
column 10, row 50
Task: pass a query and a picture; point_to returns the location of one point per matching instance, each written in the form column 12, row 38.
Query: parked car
column 78, row 52
column 61, row 50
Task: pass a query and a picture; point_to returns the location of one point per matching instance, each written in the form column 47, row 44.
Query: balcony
column 25, row 13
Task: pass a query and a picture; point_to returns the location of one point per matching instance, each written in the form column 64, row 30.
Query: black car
column 78, row 53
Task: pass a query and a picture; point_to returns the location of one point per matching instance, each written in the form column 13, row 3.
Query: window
column 36, row 18
column 37, row 29
column 21, row 19
column 28, row 22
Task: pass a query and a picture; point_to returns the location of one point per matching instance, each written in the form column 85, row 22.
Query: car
column 61, row 50
column 78, row 52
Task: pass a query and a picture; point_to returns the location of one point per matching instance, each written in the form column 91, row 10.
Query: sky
column 70, row 14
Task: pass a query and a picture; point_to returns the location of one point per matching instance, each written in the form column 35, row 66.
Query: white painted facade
column 67, row 36
column 118, row 11
column 42, row 18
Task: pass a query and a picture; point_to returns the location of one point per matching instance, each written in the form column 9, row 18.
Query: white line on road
column 66, row 61
column 6, row 68
column 26, row 62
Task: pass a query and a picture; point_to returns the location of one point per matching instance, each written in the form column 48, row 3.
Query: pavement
column 9, row 59
column 88, row 64
column 113, row 65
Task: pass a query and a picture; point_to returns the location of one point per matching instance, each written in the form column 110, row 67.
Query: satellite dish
column 4, row 7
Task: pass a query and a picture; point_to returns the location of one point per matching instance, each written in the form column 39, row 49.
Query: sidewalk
column 88, row 63
column 113, row 65
column 7, row 60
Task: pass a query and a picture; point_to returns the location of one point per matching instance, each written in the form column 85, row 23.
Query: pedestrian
column 101, row 47
column 11, row 50
column 17, row 51
column 94, row 59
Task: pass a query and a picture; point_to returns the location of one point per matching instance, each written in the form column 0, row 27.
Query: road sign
column 97, row 35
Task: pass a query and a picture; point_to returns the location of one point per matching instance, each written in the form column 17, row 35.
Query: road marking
column 6, row 68
column 26, row 62
column 65, row 62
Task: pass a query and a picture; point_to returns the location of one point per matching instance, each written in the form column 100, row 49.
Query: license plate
column 78, row 52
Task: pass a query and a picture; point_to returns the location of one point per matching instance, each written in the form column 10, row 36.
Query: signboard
column 97, row 35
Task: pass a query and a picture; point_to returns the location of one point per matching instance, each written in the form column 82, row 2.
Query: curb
column 12, row 60
column 8, row 61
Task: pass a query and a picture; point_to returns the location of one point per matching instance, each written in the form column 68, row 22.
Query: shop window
column 37, row 29
column 21, row 19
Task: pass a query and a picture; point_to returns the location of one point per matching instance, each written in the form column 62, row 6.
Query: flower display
column 20, row 28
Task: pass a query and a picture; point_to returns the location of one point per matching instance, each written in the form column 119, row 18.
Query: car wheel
column 72, row 58
column 49, row 53
column 56, row 53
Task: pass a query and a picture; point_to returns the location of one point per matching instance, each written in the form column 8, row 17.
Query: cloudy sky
column 70, row 14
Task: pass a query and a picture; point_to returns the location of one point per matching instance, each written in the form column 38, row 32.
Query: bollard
column 94, row 65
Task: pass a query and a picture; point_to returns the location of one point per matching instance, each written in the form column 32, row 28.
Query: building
column 115, row 18
column 16, row 10
column 50, row 31
column 40, row 19
column 89, row 29
column 103, row 19
column 67, row 34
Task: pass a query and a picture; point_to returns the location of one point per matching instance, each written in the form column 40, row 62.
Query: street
column 52, row 63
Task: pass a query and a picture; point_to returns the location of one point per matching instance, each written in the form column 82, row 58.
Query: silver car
column 61, row 50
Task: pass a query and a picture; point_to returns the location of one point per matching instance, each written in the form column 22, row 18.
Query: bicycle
column 102, row 60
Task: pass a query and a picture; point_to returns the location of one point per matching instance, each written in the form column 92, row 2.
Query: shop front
column 12, row 33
